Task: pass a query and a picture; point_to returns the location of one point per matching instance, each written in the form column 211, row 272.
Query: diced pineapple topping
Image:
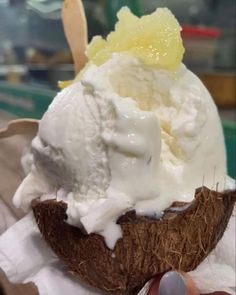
column 64, row 84
column 154, row 38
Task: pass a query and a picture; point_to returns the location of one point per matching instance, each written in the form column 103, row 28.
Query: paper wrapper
column 27, row 127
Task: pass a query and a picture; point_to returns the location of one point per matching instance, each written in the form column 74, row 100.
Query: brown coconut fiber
column 180, row 241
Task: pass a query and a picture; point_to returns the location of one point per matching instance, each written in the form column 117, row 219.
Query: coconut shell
column 180, row 241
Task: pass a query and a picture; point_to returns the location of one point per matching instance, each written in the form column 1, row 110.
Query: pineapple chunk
column 154, row 38
column 64, row 84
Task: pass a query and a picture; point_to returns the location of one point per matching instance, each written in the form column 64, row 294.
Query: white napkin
column 55, row 279
column 6, row 217
column 218, row 271
column 25, row 257
column 23, row 250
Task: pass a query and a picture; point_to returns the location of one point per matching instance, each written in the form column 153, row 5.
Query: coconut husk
column 180, row 241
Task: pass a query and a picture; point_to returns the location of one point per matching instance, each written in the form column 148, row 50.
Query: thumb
column 173, row 282
column 7, row 288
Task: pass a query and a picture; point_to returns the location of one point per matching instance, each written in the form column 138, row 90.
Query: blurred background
column 33, row 48
column 34, row 54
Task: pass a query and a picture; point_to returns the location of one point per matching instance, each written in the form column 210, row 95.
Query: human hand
column 8, row 288
column 175, row 283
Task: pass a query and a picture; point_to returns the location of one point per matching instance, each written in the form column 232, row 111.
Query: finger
column 191, row 287
column 155, row 285
column 7, row 288
column 217, row 293
column 173, row 283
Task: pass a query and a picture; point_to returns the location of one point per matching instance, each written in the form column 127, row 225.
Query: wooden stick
column 75, row 27
column 20, row 126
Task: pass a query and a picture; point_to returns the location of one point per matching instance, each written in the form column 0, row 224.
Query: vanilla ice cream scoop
column 127, row 136
column 135, row 131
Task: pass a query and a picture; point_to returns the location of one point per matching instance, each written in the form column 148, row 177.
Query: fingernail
column 173, row 283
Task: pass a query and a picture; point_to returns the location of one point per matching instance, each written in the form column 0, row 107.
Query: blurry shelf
column 222, row 87
column 19, row 69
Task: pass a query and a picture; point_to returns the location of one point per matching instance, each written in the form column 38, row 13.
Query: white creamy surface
column 126, row 137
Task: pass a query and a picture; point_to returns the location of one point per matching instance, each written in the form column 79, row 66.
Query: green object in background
column 113, row 6
column 24, row 101
column 32, row 102
column 230, row 141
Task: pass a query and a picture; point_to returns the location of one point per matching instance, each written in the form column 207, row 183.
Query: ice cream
column 130, row 134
